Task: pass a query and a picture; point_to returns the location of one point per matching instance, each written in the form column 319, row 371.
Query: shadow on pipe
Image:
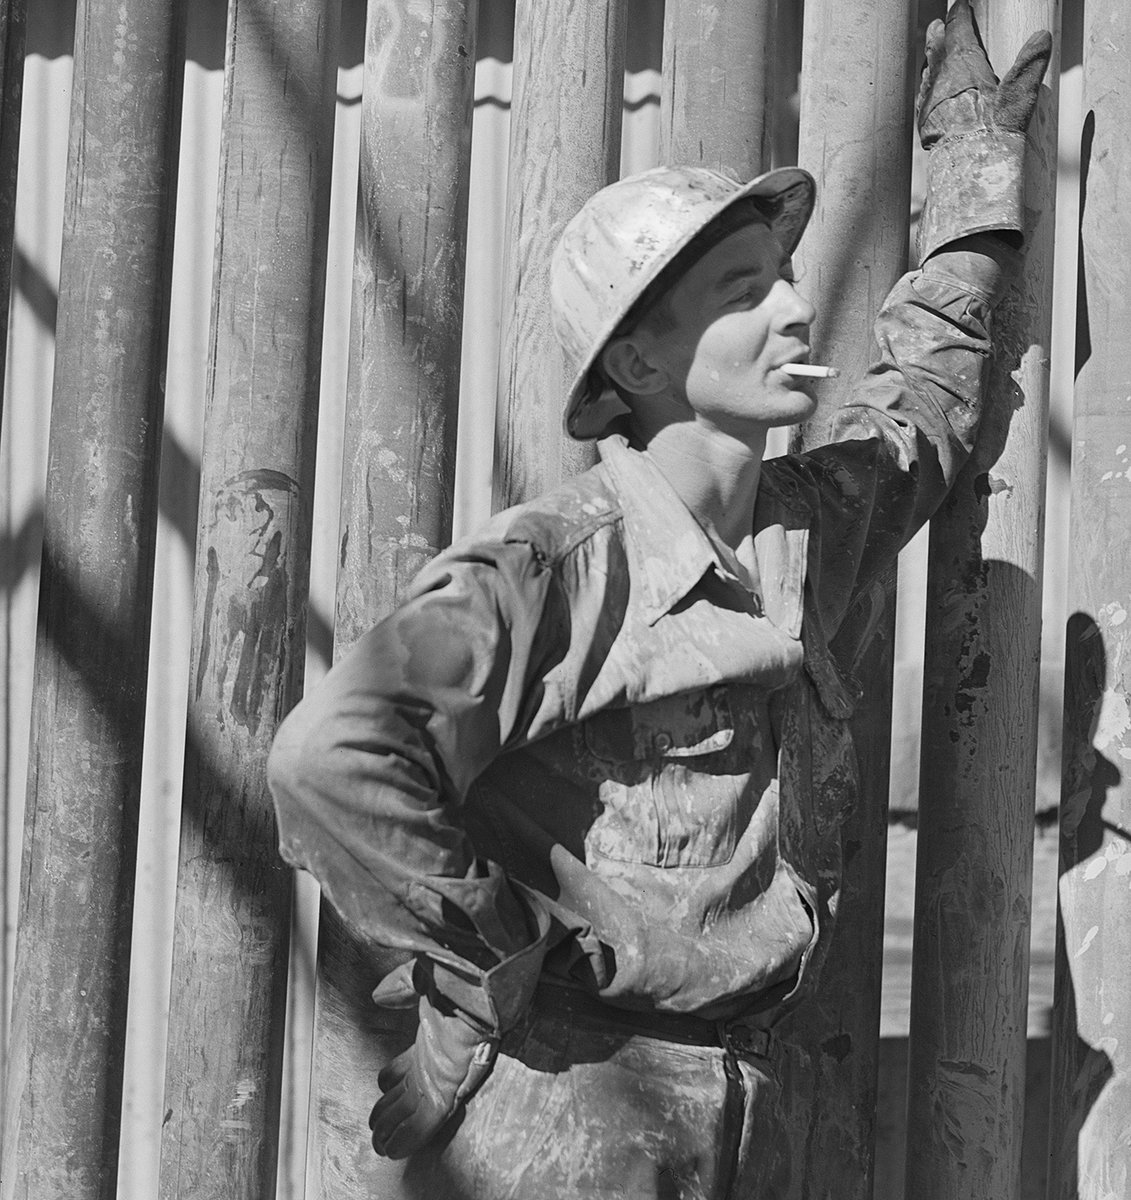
column 1081, row 1071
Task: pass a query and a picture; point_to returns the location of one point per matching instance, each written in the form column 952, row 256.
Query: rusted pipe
column 717, row 85
column 856, row 135
column 969, row 1000
column 224, row 1064
column 13, row 37
column 398, row 469
column 565, row 145
column 1090, row 1151
column 64, row 1086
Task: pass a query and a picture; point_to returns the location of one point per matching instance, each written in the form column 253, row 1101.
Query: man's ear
column 627, row 362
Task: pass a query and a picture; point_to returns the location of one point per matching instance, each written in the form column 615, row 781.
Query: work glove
column 974, row 130
column 423, row 1087
column 463, row 1013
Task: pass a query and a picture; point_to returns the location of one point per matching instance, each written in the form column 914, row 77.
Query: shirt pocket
column 673, row 782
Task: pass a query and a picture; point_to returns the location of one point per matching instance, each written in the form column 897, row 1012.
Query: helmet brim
column 790, row 193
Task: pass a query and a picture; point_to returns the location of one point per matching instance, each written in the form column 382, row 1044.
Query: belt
column 737, row 1035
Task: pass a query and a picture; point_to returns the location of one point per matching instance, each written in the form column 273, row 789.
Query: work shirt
column 582, row 741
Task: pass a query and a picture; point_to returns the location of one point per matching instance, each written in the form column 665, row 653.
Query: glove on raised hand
column 974, row 128
column 463, row 1011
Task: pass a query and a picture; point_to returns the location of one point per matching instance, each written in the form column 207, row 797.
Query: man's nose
column 796, row 309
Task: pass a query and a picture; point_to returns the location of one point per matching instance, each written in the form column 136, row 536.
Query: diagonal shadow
column 179, row 481
column 36, row 290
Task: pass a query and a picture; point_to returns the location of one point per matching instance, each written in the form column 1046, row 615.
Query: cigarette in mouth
column 809, row 369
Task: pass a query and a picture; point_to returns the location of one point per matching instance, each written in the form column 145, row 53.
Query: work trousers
column 577, row 1107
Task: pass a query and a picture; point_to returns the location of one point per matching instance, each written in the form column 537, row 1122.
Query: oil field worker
column 591, row 773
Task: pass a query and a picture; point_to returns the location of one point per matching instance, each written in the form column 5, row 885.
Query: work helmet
column 620, row 243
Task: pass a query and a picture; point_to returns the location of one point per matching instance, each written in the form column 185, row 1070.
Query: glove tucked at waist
column 974, row 129
column 463, row 1012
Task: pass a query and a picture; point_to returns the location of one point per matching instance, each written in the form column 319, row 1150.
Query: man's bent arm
column 369, row 769
column 912, row 422
column 909, row 426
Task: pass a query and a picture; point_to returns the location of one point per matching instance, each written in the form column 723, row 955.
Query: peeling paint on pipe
column 1090, row 1145
column 228, row 998
column 565, row 145
column 717, row 86
column 856, row 138
column 969, row 1000
column 398, row 471
column 13, row 37
column 64, row 1085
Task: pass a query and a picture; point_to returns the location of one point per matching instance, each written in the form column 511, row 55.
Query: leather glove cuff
column 491, row 1000
column 494, row 999
column 975, row 184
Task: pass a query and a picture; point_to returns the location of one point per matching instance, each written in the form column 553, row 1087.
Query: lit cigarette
column 811, row 370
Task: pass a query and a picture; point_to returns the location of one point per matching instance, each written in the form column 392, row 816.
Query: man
column 591, row 773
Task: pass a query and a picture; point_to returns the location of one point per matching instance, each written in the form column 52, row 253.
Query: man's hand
column 423, row 1087
column 974, row 128
column 960, row 94
column 464, row 1011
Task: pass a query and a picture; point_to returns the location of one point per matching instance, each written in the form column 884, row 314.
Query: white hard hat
column 621, row 241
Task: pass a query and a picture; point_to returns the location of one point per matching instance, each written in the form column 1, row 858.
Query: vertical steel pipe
column 13, row 37
column 402, row 400
column 399, row 466
column 224, row 1065
column 64, row 1083
column 1090, row 1148
column 566, row 113
column 856, row 137
column 717, row 83
column 978, row 775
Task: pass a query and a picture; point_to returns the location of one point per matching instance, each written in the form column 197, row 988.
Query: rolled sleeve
column 900, row 441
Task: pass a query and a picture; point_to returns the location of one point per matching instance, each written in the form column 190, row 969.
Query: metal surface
column 13, row 36
column 411, row 234
column 716, row 95
column 856, row 137
column 974, row 868
column 398, row 469
column 68, row 1020
column 565, row 145
column 224, row 1064
column 1090, row 1145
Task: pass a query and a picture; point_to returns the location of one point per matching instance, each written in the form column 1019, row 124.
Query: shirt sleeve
column 368, row 772
column 898, row 444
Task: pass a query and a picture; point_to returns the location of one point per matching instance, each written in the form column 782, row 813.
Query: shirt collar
column 667, row 548
column 669, row 552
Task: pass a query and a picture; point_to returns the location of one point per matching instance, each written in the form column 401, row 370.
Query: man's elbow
column 296, row 777
column 284, row 761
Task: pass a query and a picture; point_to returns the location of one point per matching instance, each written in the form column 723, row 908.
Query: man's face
column 735, row 318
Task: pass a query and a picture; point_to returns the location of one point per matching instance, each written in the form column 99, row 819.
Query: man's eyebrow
column 747, row 270
column 742, row 271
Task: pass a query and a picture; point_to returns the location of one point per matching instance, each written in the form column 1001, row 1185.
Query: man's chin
column 802, row 404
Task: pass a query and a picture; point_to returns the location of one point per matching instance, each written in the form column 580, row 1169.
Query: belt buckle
column 740, row 1038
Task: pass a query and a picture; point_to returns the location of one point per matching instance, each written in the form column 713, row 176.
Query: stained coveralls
column 587, row 773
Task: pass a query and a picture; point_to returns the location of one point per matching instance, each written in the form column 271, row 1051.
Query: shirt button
column 663, row 741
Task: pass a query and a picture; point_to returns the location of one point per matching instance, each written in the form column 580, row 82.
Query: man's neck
column 716, row 476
